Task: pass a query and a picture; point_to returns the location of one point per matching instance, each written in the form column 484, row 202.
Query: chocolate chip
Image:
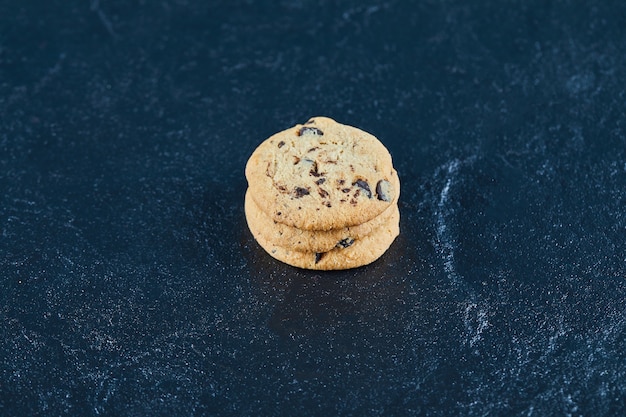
column 301, row 191
column 345, row 190
column 318, row 256
column 296, row 160
column 279, row 213
column 306, row 130
column 312, row 149
column 327, row 204
column 384, row 190
column 281, row 144
column 323, row 193
column 313, row 170
column 364, row 186
column 341, row 182
column 345, row 243
column 320, row 181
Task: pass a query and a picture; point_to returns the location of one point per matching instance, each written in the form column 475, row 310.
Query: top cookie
column 321, row 176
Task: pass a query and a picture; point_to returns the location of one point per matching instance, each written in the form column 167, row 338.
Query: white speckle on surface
column 580, row 83
column 445, row 238
column 476, row 321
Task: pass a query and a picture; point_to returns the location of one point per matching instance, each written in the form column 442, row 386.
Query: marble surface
column 130, row 284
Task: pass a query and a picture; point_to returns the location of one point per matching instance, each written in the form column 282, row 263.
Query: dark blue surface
column 130, row 284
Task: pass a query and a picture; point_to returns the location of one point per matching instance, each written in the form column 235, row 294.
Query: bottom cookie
column 362, row 252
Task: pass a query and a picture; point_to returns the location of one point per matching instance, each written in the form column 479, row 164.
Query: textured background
column 131, row 285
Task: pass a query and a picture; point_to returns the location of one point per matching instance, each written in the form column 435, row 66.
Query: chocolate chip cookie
column 322, row 175
column 323, row 195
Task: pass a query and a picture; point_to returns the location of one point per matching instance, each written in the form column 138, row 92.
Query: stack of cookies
column 323, row 195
